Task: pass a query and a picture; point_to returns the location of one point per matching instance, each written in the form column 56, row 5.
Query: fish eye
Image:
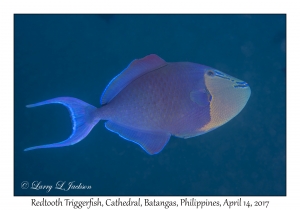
column 210, row 73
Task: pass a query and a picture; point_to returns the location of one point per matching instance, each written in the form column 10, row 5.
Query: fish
column 152, row 100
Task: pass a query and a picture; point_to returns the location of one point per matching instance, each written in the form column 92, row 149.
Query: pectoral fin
column 202, row 97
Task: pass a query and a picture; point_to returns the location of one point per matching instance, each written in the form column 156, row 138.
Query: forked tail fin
column 83, row 119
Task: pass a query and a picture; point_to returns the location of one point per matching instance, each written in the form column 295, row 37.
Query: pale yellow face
column 229, row 96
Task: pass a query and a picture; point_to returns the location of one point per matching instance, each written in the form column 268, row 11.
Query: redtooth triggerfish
column 151, row 100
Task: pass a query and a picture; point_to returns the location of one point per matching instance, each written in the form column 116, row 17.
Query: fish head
column 229, row 96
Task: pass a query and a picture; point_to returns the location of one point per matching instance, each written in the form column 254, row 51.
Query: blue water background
column 77, row 55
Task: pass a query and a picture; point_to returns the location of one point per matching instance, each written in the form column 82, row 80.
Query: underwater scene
column 150, row 105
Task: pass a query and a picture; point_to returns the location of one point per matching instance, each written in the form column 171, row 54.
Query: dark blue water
column 77, row 55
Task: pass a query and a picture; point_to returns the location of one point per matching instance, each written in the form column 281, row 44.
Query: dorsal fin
column 134, row 70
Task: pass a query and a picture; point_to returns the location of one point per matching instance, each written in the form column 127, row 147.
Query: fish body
column 151, row 100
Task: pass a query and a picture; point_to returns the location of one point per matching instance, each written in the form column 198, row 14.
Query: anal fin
column 151, row 141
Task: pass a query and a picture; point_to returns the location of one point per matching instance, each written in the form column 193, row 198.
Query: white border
column 8, row 8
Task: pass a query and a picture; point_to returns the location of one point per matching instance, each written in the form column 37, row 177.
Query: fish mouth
column 241, row 85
